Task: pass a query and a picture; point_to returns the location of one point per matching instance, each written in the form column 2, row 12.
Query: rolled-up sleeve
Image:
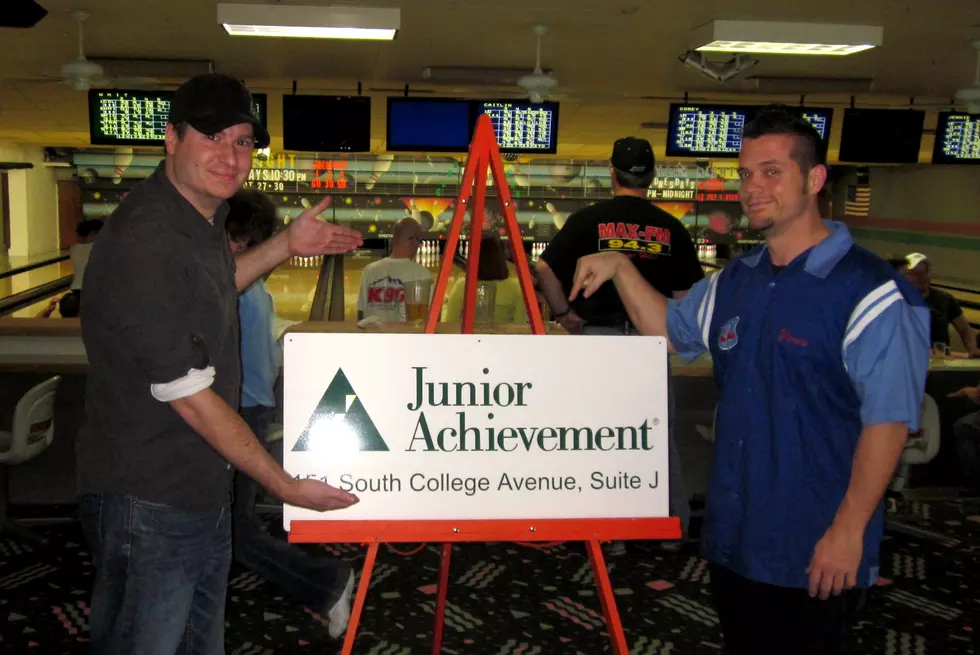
column 151, row 305
column 886, row 353
column 689, row 319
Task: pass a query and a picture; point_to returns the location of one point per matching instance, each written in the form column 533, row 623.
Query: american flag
column 858, row 200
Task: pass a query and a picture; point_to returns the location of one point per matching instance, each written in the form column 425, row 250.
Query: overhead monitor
column 428, row 124
column 957, row 139
column 312, row 123
column 137, row 118
column 715, row 131
column 881, row 136
column 523, row 126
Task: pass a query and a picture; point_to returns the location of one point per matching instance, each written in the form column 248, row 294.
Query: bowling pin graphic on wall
column 121, row 161
column 381, row 165
column 557, row 216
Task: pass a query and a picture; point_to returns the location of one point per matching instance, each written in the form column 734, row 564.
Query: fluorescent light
column 309, row 22
column 762, row 37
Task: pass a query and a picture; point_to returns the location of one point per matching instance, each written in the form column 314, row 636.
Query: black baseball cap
column 214, row 102
column 633, row 155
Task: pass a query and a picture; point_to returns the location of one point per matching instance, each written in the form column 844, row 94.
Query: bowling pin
column 556, row 216
column 121, row 160
column 381, row 165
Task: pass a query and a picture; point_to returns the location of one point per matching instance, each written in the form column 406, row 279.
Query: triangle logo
column 340, row 417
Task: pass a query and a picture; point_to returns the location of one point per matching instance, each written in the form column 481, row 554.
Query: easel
column 484, row 153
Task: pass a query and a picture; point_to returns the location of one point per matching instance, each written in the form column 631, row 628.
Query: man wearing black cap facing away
column 656, row 242
column 161, row 435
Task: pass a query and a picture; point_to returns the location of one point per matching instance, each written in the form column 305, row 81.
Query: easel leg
column 606, row 597
column 447, row 551
column 362, row 589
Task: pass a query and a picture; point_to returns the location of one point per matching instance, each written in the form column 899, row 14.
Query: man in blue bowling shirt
column 820, row 351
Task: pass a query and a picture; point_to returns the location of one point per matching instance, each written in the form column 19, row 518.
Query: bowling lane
column 27, row 280
column 293, row 285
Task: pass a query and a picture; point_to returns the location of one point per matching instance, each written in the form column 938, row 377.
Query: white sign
column 479, row 426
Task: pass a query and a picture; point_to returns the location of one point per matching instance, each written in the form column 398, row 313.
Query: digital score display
column 957, row 139
column 716, row 130
column 705, row 131
column 136, row 118
column 523, row 127
column 127, row 117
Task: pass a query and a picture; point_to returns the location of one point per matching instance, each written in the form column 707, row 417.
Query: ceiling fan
column 969, row 97
column 537, row 84
column 82, row 74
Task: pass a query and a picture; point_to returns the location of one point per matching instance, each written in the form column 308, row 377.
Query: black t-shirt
column 658, row 245
column 160, row 300
column 943, row 310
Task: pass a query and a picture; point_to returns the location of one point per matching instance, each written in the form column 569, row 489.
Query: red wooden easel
column 484, row 153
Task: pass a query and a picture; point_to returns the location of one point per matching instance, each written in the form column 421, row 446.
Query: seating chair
column 922, row 446
column 32, row 432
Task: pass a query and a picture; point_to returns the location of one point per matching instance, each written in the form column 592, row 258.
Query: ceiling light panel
column 763, row 37
column 293, row 21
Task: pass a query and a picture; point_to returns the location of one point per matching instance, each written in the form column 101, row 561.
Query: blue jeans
column 317, row 581
column 680, row 504
column 160, row 576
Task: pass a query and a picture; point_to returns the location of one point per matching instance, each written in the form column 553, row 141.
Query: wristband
column 561, row 314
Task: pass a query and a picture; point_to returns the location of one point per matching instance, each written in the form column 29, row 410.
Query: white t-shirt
column 383, row 287
column 78, row 254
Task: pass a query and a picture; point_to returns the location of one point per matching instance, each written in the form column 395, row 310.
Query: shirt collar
column 188, row 215
column 822, row 257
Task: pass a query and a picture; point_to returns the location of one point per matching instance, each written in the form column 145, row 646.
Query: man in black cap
column 657, row 243
column 161, row 434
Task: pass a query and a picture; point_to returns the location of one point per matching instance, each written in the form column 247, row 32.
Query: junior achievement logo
column 341, row 421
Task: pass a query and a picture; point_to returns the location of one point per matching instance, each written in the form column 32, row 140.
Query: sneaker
column 339, row 615
column 615, row 548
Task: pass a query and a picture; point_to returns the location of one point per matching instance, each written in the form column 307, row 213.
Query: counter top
column 44, row 344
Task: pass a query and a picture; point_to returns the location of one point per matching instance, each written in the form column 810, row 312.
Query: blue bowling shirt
column 804, row 359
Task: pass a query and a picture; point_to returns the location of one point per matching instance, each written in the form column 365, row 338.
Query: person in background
column 820, row 353
column 162, row 430
column 79, row 252
column 943, row 308
column 662, row 251
column 382, row 292
column 321, row 582
column 492, row 269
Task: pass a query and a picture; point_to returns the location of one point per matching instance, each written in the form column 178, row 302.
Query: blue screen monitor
column 428, row 125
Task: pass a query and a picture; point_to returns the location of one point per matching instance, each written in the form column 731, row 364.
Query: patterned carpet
column 509, row 599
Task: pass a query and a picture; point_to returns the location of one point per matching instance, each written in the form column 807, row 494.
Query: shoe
column 339, row 615
column 615, row 548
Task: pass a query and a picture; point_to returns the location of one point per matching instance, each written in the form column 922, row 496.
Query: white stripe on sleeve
column 869, row 300
column 707, row 309
column 871, row 307
column 196, row 380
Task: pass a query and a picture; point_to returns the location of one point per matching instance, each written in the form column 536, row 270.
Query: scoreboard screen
column 428, row 124
column 447, row 124
column 881, row 136
column 314, row 123
column 523, row 126
column 715, row 131
column 136, row 118
column 705, row 130
column 957, row 139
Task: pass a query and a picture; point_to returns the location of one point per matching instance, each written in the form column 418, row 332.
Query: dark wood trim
column 69, row 212
column 5, row 210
